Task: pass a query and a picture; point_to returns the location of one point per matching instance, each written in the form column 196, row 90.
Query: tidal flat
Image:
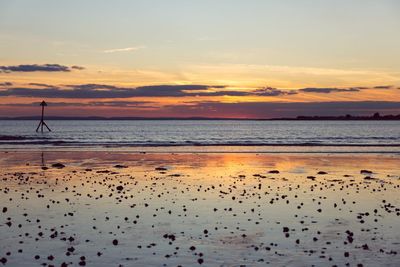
column 199, row 209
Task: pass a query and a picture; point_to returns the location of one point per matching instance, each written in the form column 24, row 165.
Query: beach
column 199, row 133
column 110, row 208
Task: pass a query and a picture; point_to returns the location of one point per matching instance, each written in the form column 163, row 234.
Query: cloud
column 269, row 91
column 143, row 104
column 107, row 91
column 170, row 90
column 92, row 90
column 77, row 67
column 41, row 85
column 91, row 86
column 383, row 87
column 256, row 110
column 111, row 91
column 126, row 49
column 285, row 109
column 342, row 90
column 37, row 67
column 6, row 84
column 329, row 90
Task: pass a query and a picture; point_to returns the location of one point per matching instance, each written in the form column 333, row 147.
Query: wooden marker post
column 42, row 123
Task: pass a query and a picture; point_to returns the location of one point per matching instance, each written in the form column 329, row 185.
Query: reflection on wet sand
column 134, row 209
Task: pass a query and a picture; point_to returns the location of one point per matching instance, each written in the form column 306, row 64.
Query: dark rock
column 120, row 166
column 365, row 172
column 58, row 165
column 120, row 188
column 365, row 247
column 104, row 171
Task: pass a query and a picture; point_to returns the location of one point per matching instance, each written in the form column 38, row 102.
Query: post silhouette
column 42, row 123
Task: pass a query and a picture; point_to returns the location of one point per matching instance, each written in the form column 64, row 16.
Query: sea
column 204, row 136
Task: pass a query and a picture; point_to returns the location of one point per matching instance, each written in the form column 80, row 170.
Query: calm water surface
column 383, row 135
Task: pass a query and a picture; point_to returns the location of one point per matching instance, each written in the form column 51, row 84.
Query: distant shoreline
column 375, row 117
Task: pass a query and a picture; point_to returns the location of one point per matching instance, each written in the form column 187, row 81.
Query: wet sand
column 225, row 209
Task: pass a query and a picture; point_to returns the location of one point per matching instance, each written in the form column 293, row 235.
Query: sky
column 208, row 58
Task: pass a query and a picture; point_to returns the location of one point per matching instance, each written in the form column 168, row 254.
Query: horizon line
column 375, row 116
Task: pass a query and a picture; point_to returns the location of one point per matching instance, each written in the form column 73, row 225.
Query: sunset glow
column 317, row 58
